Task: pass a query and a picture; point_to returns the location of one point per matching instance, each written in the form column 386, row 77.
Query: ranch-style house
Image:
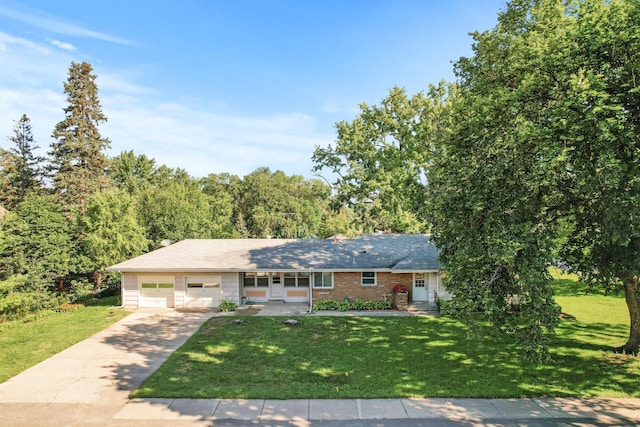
column 204, row 272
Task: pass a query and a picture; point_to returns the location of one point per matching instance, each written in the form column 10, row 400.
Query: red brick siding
column 350, row 285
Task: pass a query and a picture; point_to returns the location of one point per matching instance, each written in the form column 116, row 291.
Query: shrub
column 17, row 305
column 227, row 306
column 327, row 304
column 351, row 305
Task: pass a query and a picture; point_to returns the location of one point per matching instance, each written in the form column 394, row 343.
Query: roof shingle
column 392, row 252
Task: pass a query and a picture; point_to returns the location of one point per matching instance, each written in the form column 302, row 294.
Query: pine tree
column 78, row 159
column 21, row 171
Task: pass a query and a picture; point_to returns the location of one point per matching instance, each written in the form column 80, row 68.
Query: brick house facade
column 349, row 285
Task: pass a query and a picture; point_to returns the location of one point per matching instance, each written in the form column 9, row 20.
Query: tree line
column 530, row 157
column 74, row 212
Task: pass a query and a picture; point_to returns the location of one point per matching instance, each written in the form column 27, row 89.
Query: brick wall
column 350, row 285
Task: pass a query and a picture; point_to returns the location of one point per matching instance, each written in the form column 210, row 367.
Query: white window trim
column 323, row 273
column 362, row 278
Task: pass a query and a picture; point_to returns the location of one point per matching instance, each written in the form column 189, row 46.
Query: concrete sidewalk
column 601, row 411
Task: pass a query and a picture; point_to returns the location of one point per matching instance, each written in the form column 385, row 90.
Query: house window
column 418, row 280
column 262, row 280
column 249, row 280
column 303, row 280
column 323, row 280
column 290, row 279
column 368, row 278
column 300, row 280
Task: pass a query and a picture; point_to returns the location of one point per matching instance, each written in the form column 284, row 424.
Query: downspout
column 310, row 293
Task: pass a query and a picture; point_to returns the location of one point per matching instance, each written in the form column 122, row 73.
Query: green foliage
column 110, row 231
column 20, row 169
column 226, row 306
column 333, row 305
column 543, row 152
column 37, row 243
column 17, row 300
column 130, row 172
column 77, row 156
column 380, row 158
column 175, row 211
column 281, row 206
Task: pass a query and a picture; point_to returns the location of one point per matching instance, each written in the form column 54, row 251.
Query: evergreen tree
column 78, row 159
column 21, row 170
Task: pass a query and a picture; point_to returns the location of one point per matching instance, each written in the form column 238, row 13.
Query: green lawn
column 378, row 357
column 24, row 344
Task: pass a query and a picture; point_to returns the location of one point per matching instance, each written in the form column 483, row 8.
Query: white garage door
column 156, row 294
column 203, row 291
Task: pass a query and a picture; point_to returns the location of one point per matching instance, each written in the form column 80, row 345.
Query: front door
column 420, row 291
column 277, row 286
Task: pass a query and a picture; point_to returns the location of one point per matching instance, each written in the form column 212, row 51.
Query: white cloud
column 177, row 132
column 57, row 25
column 205, row 142
column 63, row 45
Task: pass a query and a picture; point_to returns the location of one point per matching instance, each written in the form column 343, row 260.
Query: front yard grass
column 24, row 344
column 384, row 357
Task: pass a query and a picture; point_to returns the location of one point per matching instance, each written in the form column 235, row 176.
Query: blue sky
column 216, row 86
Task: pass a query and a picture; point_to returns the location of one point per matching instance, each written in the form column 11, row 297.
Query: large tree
column 379, row 159
column 277, row 205
column 78, row 158
column 21, row 170
column 37, row 243
column 545, row 144
column 110, row 231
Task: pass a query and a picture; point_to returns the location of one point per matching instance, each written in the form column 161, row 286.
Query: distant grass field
column 381, row 357
column 24, row 344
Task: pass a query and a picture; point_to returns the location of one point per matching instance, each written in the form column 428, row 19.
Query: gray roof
column 386, row 252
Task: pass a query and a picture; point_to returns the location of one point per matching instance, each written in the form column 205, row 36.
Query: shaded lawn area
column 383, row 357
column 26, row 343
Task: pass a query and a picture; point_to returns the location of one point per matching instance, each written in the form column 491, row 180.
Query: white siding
column 179, row 291
column 130, row 290
column 230, row 288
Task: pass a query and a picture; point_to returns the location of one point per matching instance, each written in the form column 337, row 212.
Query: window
column 249, row 280
column 418, row 280
column 276, row 279
column 323, row 280
column 289, row 279
column 263, row 280
column 368, row 278
column 194, row 285
column 303, row 280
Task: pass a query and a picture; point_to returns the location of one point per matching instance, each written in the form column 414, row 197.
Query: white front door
column 277, row 286
column 420, row 292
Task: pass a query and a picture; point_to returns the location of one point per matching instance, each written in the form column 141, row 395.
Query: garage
column 203, row 291
column 156, row 292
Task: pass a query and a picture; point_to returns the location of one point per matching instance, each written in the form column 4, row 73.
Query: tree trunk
column 633, row 303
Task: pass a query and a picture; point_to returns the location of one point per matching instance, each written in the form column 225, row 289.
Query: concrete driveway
column 90, row 381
